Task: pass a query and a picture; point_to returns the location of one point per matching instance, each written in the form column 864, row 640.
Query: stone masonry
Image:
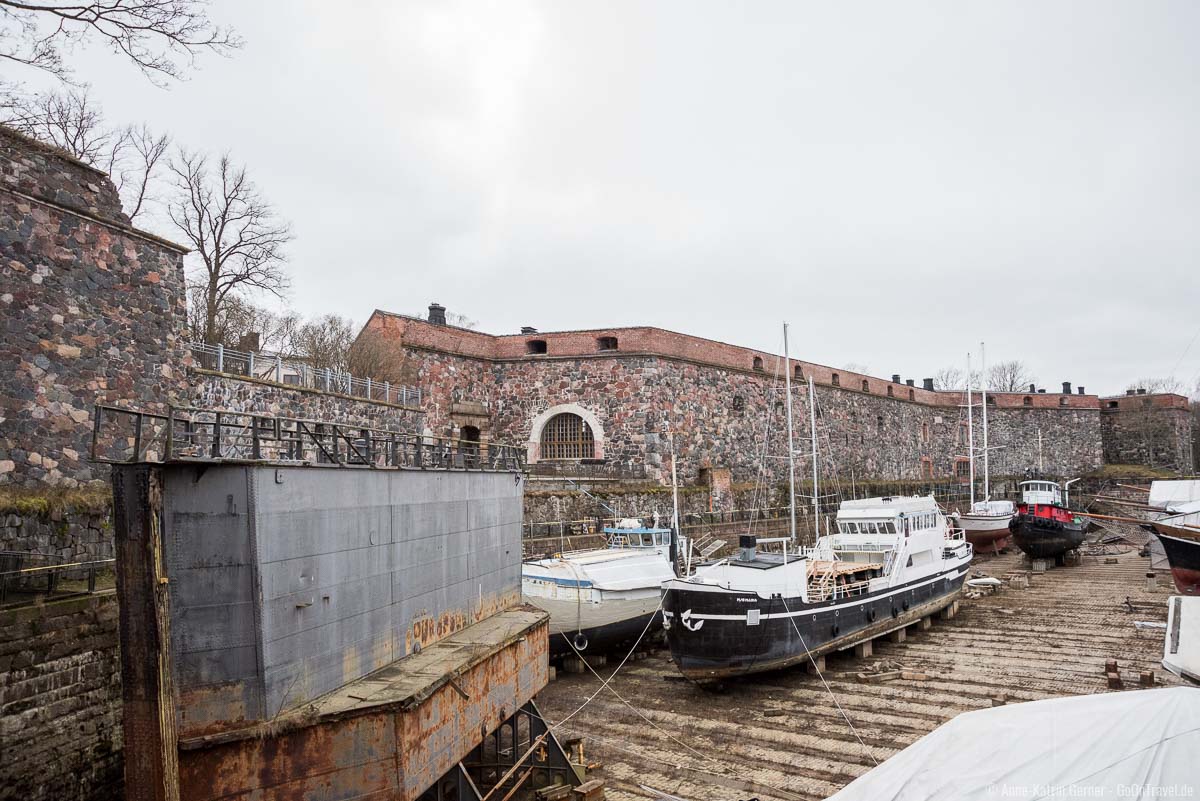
column 91, row 311
column 1152, row 430
column 640, row 387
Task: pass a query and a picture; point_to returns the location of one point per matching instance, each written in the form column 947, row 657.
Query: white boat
column 987, row 521
column 602, row 597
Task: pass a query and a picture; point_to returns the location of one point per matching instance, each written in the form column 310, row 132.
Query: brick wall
column 91, row 310
column 60, row 701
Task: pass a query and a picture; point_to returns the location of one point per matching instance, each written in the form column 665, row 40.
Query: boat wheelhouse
column 601, row 597
column 891, row 562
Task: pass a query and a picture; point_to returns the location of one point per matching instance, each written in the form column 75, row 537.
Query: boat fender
column 834, row 629
column 905, row 605
column 895, row 612
column 580, row 642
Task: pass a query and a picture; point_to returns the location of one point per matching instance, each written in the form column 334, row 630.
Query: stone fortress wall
column 636, row 387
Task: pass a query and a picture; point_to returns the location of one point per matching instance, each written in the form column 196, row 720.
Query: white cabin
column 1041, row 493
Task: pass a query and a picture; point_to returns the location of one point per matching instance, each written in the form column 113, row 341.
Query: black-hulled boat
column 1044, row 527
column 1180, row 538
column 892, row 562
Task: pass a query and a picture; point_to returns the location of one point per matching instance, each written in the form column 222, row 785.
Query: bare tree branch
column 233, row 230
column 161, row 37
column 1013, row 376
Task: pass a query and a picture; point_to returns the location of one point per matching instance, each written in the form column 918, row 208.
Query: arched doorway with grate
column 567, row 432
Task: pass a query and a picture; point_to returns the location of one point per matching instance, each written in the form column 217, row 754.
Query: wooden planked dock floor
column 780, row 737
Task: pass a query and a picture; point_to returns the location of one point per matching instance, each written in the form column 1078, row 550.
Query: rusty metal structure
column 317, row 611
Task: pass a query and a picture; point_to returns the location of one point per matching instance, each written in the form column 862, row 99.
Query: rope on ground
column 828, row 689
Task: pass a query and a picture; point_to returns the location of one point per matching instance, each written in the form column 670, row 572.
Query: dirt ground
column 1049, row 640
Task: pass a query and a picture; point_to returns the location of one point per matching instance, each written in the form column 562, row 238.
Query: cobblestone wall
column 1151, row 430
column 91, row 311
column 60, row 701
column 73, row 536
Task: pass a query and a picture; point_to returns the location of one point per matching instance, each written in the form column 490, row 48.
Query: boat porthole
column 580, row 642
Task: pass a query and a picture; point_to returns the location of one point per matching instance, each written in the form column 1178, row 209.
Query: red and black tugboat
column 1044, row 527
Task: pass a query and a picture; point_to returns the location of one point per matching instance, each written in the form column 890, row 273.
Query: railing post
column 278, row 369
column 328, row 378
column 387, row 391
column 220, row 358
column 250, row 366
column 169, row 447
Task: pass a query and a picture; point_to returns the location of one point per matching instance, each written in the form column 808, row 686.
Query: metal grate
column 567, row 436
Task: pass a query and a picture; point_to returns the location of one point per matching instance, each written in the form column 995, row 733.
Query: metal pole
column 970, row 431
column 675, row 502
column 987, row 488
column 250, row 366
column 812, row 422
column 278, row 369
column 787, row 383
column 220, row 358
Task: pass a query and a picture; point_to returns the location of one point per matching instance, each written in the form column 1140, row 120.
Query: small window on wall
column 535, row 346
column 866, row 385
column 1113, row 404
column 1062, row 401
column 758, row 364
column 962, row 469
column 837, row 380
column 798, row 373
column 1028, row 401
column 606, row 343
column 912, row 394
column 739, row 403
column 924, row 432
column 890, row 393
column 879, row 422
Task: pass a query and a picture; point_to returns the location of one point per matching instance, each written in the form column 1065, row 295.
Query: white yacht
column 602, row 597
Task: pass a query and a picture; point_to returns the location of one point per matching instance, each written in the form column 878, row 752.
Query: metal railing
column 275, row 367
column 689, row 522
column 21, row 577
column 585, row 469
column 207, row 435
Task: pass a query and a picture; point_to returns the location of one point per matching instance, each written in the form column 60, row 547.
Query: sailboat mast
column 987, row 489
column 812, row 424
column 970, row 432
column 787, row 383
column 676, row 538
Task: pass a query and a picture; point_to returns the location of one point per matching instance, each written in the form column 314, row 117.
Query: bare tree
column 69, row 120
column 949, row 378
column 233, row 230
column 162, row 38
column 324, row 343
column 1012, row 376
column 856, row 367
column 373, row 355
column 237, row 319
column 1166, row 384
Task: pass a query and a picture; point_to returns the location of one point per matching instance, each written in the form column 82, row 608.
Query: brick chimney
column 1080, row 390
column 910, row 382
column 437, row 314
column 1141, row 391
column 1066, row 388
column 929, row 384
column 1129, row 392
column 895, row 378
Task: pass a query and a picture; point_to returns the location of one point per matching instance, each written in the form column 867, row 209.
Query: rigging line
column 1185, row 351
column 605, row 683
column 642, row 715
column 828, row 689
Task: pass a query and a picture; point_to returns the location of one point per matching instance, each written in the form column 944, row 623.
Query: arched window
column 758, row 364
column 798, row 373
column 606, row 343
column 1028, row 401
column 567, row 436
column 837, row 381
column 890, row 393
column 866, row 385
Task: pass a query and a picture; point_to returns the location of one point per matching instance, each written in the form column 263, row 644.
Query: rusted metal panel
column 385, row 737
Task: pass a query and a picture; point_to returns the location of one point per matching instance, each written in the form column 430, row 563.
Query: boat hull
column 1183, row 554
column 1044, row 538
column 711, row 638
column 598, row 627
column 985, row 530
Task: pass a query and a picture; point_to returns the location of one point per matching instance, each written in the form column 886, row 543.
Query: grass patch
column 1112, row 471
column 49, row 502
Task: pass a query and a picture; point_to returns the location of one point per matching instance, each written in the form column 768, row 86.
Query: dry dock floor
column 1049, row 640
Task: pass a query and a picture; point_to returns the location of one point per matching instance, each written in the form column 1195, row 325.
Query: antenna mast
column 787, row 382
column 812, row 423
column 970, row 432
column 987, row 489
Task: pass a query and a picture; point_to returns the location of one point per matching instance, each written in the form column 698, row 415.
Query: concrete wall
column 289, row 582
column 60, row 701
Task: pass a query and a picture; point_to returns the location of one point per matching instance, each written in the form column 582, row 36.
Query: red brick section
column 413, row 332
column 1127, row 403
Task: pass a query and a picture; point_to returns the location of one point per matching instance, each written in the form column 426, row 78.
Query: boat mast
column 787, row 383
column 970, row 432
column 812, row 424
column 987, row 488
column 676, row 540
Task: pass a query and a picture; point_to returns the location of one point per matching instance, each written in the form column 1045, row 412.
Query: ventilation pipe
column 929, row 384
column 1066, row 388
column 895, row 378
column 437, row 314
column 747, row 548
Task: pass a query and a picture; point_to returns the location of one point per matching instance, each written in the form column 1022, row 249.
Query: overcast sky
column 898, row 180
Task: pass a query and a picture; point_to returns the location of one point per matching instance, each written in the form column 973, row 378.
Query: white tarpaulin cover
column 1137, row 744
column 1170, row 495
